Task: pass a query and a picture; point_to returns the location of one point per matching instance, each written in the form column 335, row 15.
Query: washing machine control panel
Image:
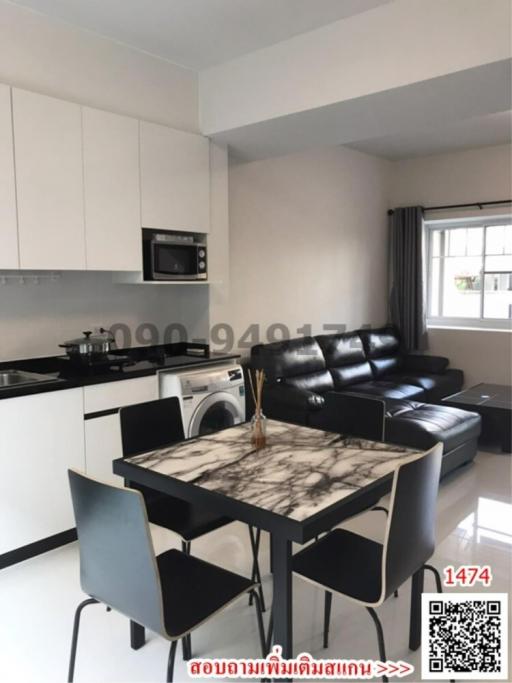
column 213, row 380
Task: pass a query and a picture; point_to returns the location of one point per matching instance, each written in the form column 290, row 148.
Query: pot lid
column 90, row 338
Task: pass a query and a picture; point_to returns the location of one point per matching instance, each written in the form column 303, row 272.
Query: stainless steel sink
column 15, row 378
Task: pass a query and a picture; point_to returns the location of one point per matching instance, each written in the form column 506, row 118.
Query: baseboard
column 37, row 548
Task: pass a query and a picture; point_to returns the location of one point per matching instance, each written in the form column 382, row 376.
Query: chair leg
column 270, row 631
column 327, row 617
column 186, row 644
column 437, row 576
column 170, row 661
column 256, row 575
column 74, row 637
column 187, row 640
column 253, row 572
column 261, row 628
column 380, row 637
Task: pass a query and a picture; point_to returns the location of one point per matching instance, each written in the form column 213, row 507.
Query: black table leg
column 137, row 635
column 415, row 624
column 282, row 596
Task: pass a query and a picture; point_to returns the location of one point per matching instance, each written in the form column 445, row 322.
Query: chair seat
column 345, row 563
column 188, row 521
column 193, row 590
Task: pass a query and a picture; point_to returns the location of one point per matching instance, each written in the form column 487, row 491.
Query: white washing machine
column 211, row 398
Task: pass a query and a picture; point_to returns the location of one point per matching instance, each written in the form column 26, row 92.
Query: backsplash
column 36, row 317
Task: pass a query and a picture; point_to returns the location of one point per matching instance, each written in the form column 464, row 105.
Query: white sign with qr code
column 464, row 636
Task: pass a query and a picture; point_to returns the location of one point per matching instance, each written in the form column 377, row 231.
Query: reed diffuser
column 258, row 421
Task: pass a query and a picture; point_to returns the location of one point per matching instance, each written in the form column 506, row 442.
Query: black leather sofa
column 302, row 373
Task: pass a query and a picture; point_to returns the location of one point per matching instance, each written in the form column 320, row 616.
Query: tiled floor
column 38, row 597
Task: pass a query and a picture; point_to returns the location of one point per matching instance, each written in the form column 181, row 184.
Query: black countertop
column 144, row 361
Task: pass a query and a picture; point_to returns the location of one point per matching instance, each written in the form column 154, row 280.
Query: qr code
column 464, row 636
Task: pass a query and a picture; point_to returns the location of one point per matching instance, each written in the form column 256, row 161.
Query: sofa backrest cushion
column 319, row 382
column 345, row 375
column 383, row 366
column 380, row 343
column 289, row 358
column 341, row 349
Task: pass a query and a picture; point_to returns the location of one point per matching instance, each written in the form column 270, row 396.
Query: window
column 470, row 272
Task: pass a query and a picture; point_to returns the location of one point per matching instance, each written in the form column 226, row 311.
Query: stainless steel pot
column 90, row 345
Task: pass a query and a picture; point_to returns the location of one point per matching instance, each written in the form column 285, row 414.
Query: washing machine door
column 216, row 411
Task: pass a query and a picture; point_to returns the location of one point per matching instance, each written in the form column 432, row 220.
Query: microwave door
column 175, row 261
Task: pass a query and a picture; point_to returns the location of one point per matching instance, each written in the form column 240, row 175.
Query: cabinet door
column 49, row 182
column 8, row 222
column 175, row 192
column 110, row 395
column 41, row 436
column 111, row 191
column 102, row 446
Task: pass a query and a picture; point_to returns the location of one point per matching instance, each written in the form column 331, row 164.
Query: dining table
column 303, row 482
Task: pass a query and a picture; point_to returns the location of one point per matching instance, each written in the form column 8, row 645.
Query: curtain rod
column 480, row 205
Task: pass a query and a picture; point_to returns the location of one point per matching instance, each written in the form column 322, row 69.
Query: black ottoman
column 421, row 425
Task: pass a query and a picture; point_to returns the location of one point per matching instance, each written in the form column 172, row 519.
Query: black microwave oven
column 174, row 255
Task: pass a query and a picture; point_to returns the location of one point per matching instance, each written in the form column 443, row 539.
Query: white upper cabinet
column 111, row 191
column 49, row 182
column 175, row 192
column 8, row 223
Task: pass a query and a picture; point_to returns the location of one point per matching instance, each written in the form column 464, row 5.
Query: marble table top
column 300, row 472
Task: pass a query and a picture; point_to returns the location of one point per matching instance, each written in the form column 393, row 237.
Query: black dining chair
column 368, row 572
column 171, row 594
column 154, row 424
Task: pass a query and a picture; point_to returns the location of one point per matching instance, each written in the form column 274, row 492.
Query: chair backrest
column 117, row 559
column 150, row 425
column 353, row 414
column 410, row 532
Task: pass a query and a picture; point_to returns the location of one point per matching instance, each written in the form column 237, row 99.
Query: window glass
column 475, row 241
column 470, row 273
column 434, row 288
column 498, row 296
column 494, row 240
column 462, row 283
column 498, row 263
column 436, row 240
column 457, row 241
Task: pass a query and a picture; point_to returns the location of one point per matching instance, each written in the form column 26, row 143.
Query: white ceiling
column 200, row 33
column 468, row 108
column 477, row 131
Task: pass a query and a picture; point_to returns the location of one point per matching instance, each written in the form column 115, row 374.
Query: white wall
column 461, row 177
column 307, row 242
column 54, row 58
column 34, row 319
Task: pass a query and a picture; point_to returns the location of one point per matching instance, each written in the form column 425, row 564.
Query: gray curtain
column 407, row 300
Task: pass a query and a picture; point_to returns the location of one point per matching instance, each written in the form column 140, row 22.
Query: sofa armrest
column 423, row 363
column 291, row 397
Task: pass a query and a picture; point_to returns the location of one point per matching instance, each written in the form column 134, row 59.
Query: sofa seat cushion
column 384, row 388
column 436, row 386
column 421, row 425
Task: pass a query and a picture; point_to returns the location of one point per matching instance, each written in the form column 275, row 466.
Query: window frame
column 430, row 226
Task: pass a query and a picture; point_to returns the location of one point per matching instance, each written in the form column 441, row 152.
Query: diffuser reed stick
column 258, row 421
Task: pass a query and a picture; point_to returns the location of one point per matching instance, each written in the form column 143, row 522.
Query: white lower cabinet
column 41, row 436
column 102, row 445
column 103, row 433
